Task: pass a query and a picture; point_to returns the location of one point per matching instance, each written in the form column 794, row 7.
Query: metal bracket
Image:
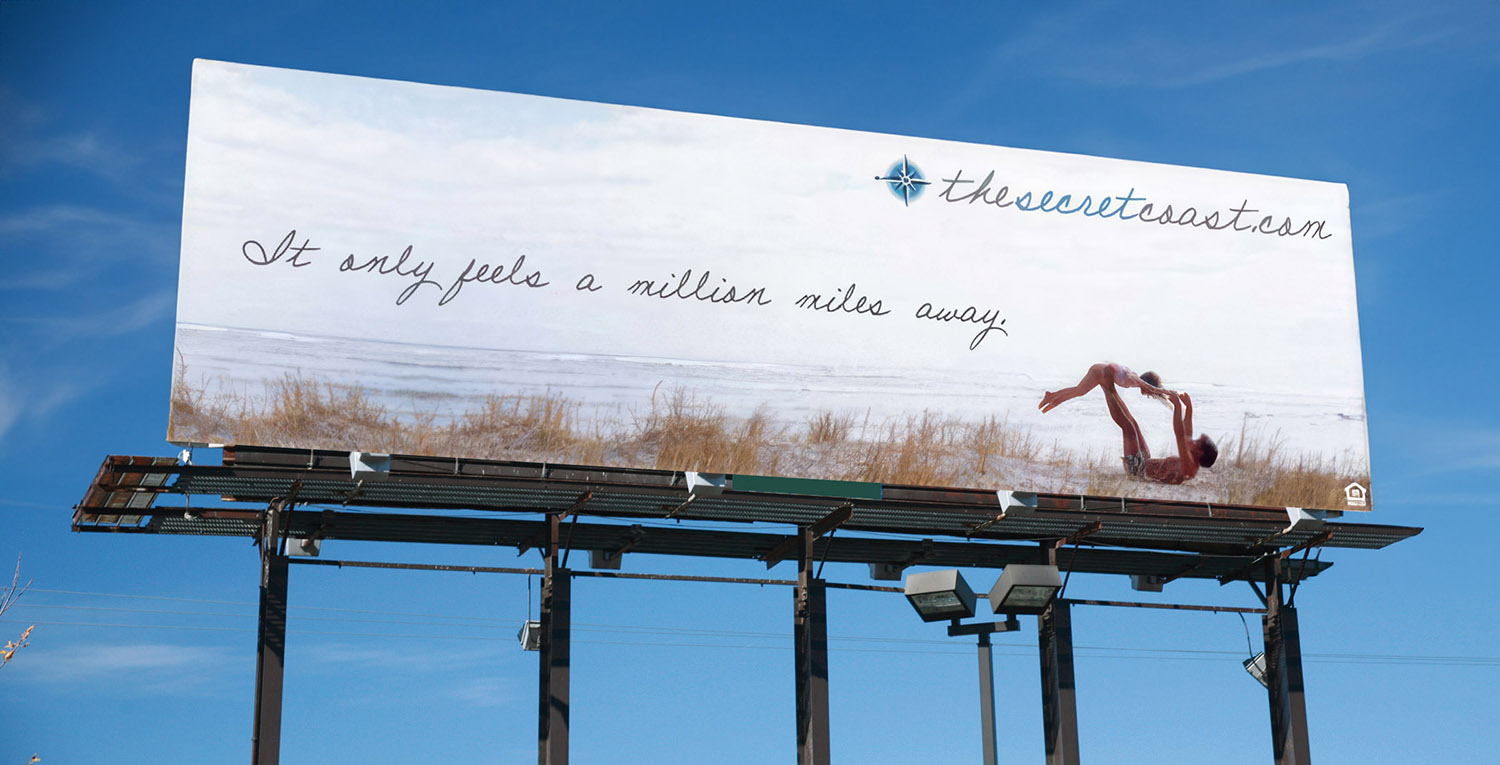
column 891, row 572
column 1315, row 541
column 1298, row 519
column 672, row 514
column 577, row 506
column 1012, row 503
column 1073, row 538
column 1011, row 624
column 789, row 546
column 365, row 466
column 705, row 484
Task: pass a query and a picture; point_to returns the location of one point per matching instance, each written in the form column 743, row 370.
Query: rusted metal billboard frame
column 258, row 491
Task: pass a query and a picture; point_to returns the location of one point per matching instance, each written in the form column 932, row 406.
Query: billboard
column 394, row 267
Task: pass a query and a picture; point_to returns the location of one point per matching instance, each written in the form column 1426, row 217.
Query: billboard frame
column 267, row 484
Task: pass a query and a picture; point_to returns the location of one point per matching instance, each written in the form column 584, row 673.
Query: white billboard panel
column 387, row 266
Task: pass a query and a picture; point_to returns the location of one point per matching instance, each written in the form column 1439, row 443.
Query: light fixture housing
column 1025, row 588
column 1256, row 666
column 940, row 595
column 530, row 635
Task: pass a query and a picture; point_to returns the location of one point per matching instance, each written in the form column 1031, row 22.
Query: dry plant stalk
column 678, row 430
column 8, row 598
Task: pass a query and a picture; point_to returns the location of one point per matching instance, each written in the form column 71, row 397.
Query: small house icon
column 1356, row 495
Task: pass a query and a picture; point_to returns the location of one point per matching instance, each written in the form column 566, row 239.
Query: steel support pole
column 810, row 634
column 987, row 699
column 1284, row 687
column 1059, row 700
column 556, row 622
column 270, row 660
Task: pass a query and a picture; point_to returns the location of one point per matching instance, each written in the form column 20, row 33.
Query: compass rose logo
column 904, row 180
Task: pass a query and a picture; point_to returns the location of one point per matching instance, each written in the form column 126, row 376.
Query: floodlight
column 940, row 595
column 605, row 559
column 531, row 635
column 1256, row 666
column 1147, row 582
column 310, row 547
column 1025, row 589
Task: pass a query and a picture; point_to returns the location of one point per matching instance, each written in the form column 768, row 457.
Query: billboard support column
column 811, row 637
column 556, row 618
column 270, row 659
column 1284, row 686
column 1059, row 701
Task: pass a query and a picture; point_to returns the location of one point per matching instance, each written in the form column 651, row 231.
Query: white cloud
column 55, row 218
column 111, row 322
column 483, row 692
column 1096, row 44
column 10, row 403
column 33, row 401
column 89, row 151
column 1462, row 450
column 1392, row 35
column 396, row 655
column 136, row 668
column 51, row 247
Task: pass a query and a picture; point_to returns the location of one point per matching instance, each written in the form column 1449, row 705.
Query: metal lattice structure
column 285, row 497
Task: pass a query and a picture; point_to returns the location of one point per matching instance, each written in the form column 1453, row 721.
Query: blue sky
column 1396, row 101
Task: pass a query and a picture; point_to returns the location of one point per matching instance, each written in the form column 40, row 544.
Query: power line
column 1110, row 652
column 504, row 623
column 253, row 604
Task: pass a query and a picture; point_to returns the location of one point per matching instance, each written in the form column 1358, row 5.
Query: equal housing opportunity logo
column 906, row 181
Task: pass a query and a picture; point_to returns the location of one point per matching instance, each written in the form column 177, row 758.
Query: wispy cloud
column 136, row 669
column 22, row 503
column 31, row 402
column 52, row 247
column 54, row 218
column 122, row 319
column 396, row 656
column 1383, row 217
column 1431, row 456
column 1469, row 450
column 31, row 140
column 1395, row 34
column 1104, row 45
column 10, row 403
column 483, row 692
column 84, row 151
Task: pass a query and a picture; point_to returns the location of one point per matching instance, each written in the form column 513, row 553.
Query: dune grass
column 678, row 430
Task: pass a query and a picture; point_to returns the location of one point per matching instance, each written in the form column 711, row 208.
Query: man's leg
column 1098, row 374
column 1134, row 441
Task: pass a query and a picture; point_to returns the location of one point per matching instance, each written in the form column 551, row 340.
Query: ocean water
column 449, row 381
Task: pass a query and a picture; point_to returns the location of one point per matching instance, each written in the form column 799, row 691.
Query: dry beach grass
column 678, row 430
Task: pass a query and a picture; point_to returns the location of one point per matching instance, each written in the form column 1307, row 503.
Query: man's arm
column 1187, row 415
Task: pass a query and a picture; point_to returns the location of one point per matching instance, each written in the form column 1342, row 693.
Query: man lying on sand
column 1191, row 453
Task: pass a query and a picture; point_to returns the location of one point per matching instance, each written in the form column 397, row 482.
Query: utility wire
column 502, row 623
column 1110, row 652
